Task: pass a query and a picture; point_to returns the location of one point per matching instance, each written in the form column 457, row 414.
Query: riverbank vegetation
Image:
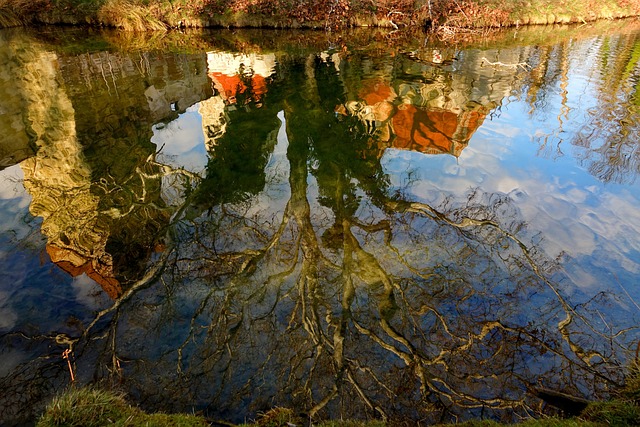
column 90, row 407
column 141, row 15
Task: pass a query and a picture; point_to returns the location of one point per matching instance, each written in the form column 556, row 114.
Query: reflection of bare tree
column 398, row 310
column 336, row 295
column 604, row 136
column 612, row 152
column 93, row 178
column 360, row 330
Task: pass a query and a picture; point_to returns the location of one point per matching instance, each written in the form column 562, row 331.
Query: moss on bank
column 142, row 15
column 90, row 407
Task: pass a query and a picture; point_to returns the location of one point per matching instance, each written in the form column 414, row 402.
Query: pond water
column 354, row 225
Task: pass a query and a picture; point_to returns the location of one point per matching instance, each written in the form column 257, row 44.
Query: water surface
column 354, row 225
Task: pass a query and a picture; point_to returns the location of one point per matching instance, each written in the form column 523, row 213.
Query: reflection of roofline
column 76, row 264
column 431, row 151
column 435, row 130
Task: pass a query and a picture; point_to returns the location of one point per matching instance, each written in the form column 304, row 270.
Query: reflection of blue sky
column 27, row 280
column 596, row 225
column 14, row 203
column 14, row 226
column 272, row 200
column 181, row 141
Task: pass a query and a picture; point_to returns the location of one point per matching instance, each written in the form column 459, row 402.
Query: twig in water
column 65, row 355
column 522, row 65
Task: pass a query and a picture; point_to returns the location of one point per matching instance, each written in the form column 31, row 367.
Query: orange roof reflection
column 434, row 131
column 406, row 126
column 374, row 91
column 76, row 264
column 231, row 86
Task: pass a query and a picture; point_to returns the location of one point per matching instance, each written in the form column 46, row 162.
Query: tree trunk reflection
column 294, row 269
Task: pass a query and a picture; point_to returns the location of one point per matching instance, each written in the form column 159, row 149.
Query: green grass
column 547, row 422
column 90, row 407
column 613, row 413
column 350, row 423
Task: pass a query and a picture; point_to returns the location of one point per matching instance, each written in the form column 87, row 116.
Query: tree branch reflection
column 319, row 286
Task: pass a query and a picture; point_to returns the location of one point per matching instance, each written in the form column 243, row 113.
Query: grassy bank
column 89, row 407
column 142, row 15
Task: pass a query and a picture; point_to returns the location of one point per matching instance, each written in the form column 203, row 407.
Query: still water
column 357, row 225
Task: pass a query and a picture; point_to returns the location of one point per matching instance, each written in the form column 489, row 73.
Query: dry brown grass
column 14, row 13
column 452, row 16
column 129, row 16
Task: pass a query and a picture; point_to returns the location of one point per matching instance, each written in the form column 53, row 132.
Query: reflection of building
column 91, row 174
column 434, row 131
column 436, row 102
column 237, row 79
column 237, row 76
column 425, row 118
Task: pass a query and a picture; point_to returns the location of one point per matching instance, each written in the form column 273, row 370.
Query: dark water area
column 356, row 225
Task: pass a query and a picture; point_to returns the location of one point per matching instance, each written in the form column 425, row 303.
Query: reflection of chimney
column 58, row 178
